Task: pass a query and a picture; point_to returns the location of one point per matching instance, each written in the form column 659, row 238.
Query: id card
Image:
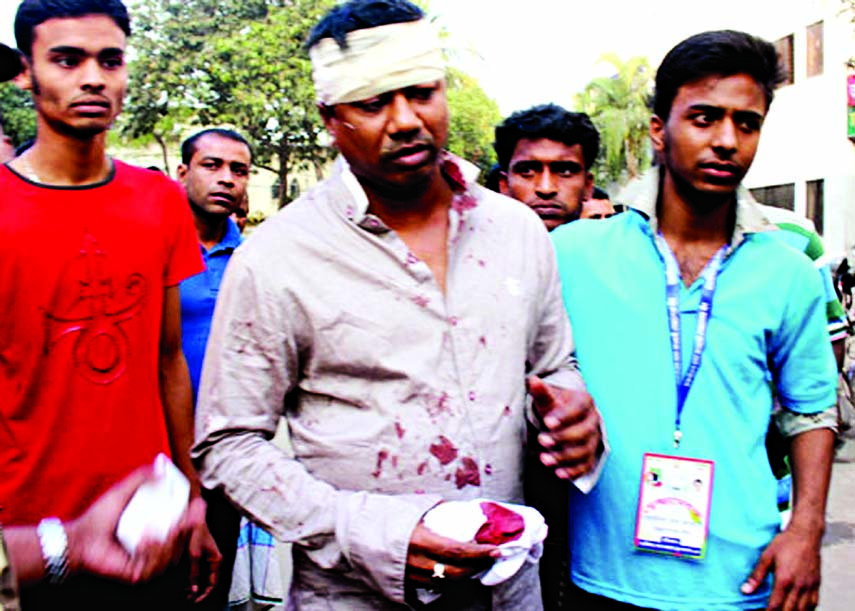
column 674, row 506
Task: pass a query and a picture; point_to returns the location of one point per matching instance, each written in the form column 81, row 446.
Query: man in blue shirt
column 215, row 172
column 679, row 332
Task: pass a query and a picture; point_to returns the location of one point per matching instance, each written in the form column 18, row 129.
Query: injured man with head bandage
column 408, row 325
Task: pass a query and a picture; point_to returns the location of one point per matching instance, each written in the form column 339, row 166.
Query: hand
column 461, row 560
column 794, row 557
column 574, row 437
column 205, row 558
column 93, row 547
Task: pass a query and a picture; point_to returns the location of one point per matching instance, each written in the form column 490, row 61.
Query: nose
column 545, row 186
column 227, row 177
column 403, row 118
column 725, row 136
column 92, row 75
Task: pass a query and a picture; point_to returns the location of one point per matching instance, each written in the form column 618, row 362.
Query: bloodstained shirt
column 396, row 395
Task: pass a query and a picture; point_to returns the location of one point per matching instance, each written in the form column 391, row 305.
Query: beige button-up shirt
column 396, row 395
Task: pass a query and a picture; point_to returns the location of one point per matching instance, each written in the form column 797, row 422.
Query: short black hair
column 716, row 53
column 493, row 178
column 189, row 148
column 599, row 193
column 32, row 13
column 548, row 121
column 10, row 63
column 361, row 15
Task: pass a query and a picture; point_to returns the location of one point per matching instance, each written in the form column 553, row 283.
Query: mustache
column 89, row 98
column 400, row 150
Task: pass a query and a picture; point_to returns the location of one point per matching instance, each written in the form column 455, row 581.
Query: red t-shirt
column 83, row 273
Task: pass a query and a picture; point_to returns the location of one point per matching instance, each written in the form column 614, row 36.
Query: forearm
column 176, row 395
column 25, row 554
column 839, row 347
column 811, row 457
column 370, row 532
column 274, row 489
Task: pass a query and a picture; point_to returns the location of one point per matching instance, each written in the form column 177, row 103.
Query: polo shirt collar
column 642, row 195
column 230, row 241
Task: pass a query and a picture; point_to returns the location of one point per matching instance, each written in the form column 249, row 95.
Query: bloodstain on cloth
column 440, row 407
column 467, row 473
column 502, row 525
column 382, row 455
column 444, row 450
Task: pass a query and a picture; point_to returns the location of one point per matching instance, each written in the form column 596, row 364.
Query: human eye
column 701, row 119
column 526, row 170
column 566, row 169
column 372, row 105
column 66, row 61
column 112, row 63
column 422, row 93
column 749, row 124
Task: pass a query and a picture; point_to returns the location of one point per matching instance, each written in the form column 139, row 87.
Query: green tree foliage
column 18, row 115
column 228, row 62
column 472, row 118
column 473, row 115
column 618, row 107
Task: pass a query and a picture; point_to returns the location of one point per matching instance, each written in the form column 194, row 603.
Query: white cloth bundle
column 462, row 520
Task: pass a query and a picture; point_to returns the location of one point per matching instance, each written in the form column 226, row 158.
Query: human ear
column 657, row 133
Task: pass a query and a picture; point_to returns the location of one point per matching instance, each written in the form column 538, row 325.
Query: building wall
column 805, row 134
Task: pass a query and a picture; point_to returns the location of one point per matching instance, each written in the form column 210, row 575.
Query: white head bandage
column 376, row 60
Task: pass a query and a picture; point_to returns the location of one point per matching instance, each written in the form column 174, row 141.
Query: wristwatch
column 54, row 549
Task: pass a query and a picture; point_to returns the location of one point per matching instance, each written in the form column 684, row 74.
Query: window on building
column 784, row 47
column 815, row 203
column 780, row 196
column 814, row 49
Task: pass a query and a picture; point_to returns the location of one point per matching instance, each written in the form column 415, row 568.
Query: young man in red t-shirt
column 92, row 377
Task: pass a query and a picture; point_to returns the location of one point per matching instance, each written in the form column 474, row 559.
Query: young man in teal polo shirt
column 679, row 333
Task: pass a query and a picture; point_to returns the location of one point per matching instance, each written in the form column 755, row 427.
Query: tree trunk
column 284, row 199
column 164, row 151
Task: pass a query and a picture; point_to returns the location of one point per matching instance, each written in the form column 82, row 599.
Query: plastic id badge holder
column 674, row 506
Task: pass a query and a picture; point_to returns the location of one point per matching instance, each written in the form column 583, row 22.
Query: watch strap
column 54, row 543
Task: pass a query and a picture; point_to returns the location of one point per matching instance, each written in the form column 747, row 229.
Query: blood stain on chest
column 467, row 473
column 444, row 451
column 441, row 406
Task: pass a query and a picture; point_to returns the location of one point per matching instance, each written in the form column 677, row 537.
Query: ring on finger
column 438, row 571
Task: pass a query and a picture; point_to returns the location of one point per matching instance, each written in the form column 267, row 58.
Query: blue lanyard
column 672, row 284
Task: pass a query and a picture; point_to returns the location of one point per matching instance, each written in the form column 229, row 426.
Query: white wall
column 804, row 137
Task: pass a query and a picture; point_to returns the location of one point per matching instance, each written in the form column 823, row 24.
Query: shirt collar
column 643, row 193
column 230, row 241
column 459, row 173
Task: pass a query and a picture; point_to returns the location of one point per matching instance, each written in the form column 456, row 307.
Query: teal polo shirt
column 768, row 322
